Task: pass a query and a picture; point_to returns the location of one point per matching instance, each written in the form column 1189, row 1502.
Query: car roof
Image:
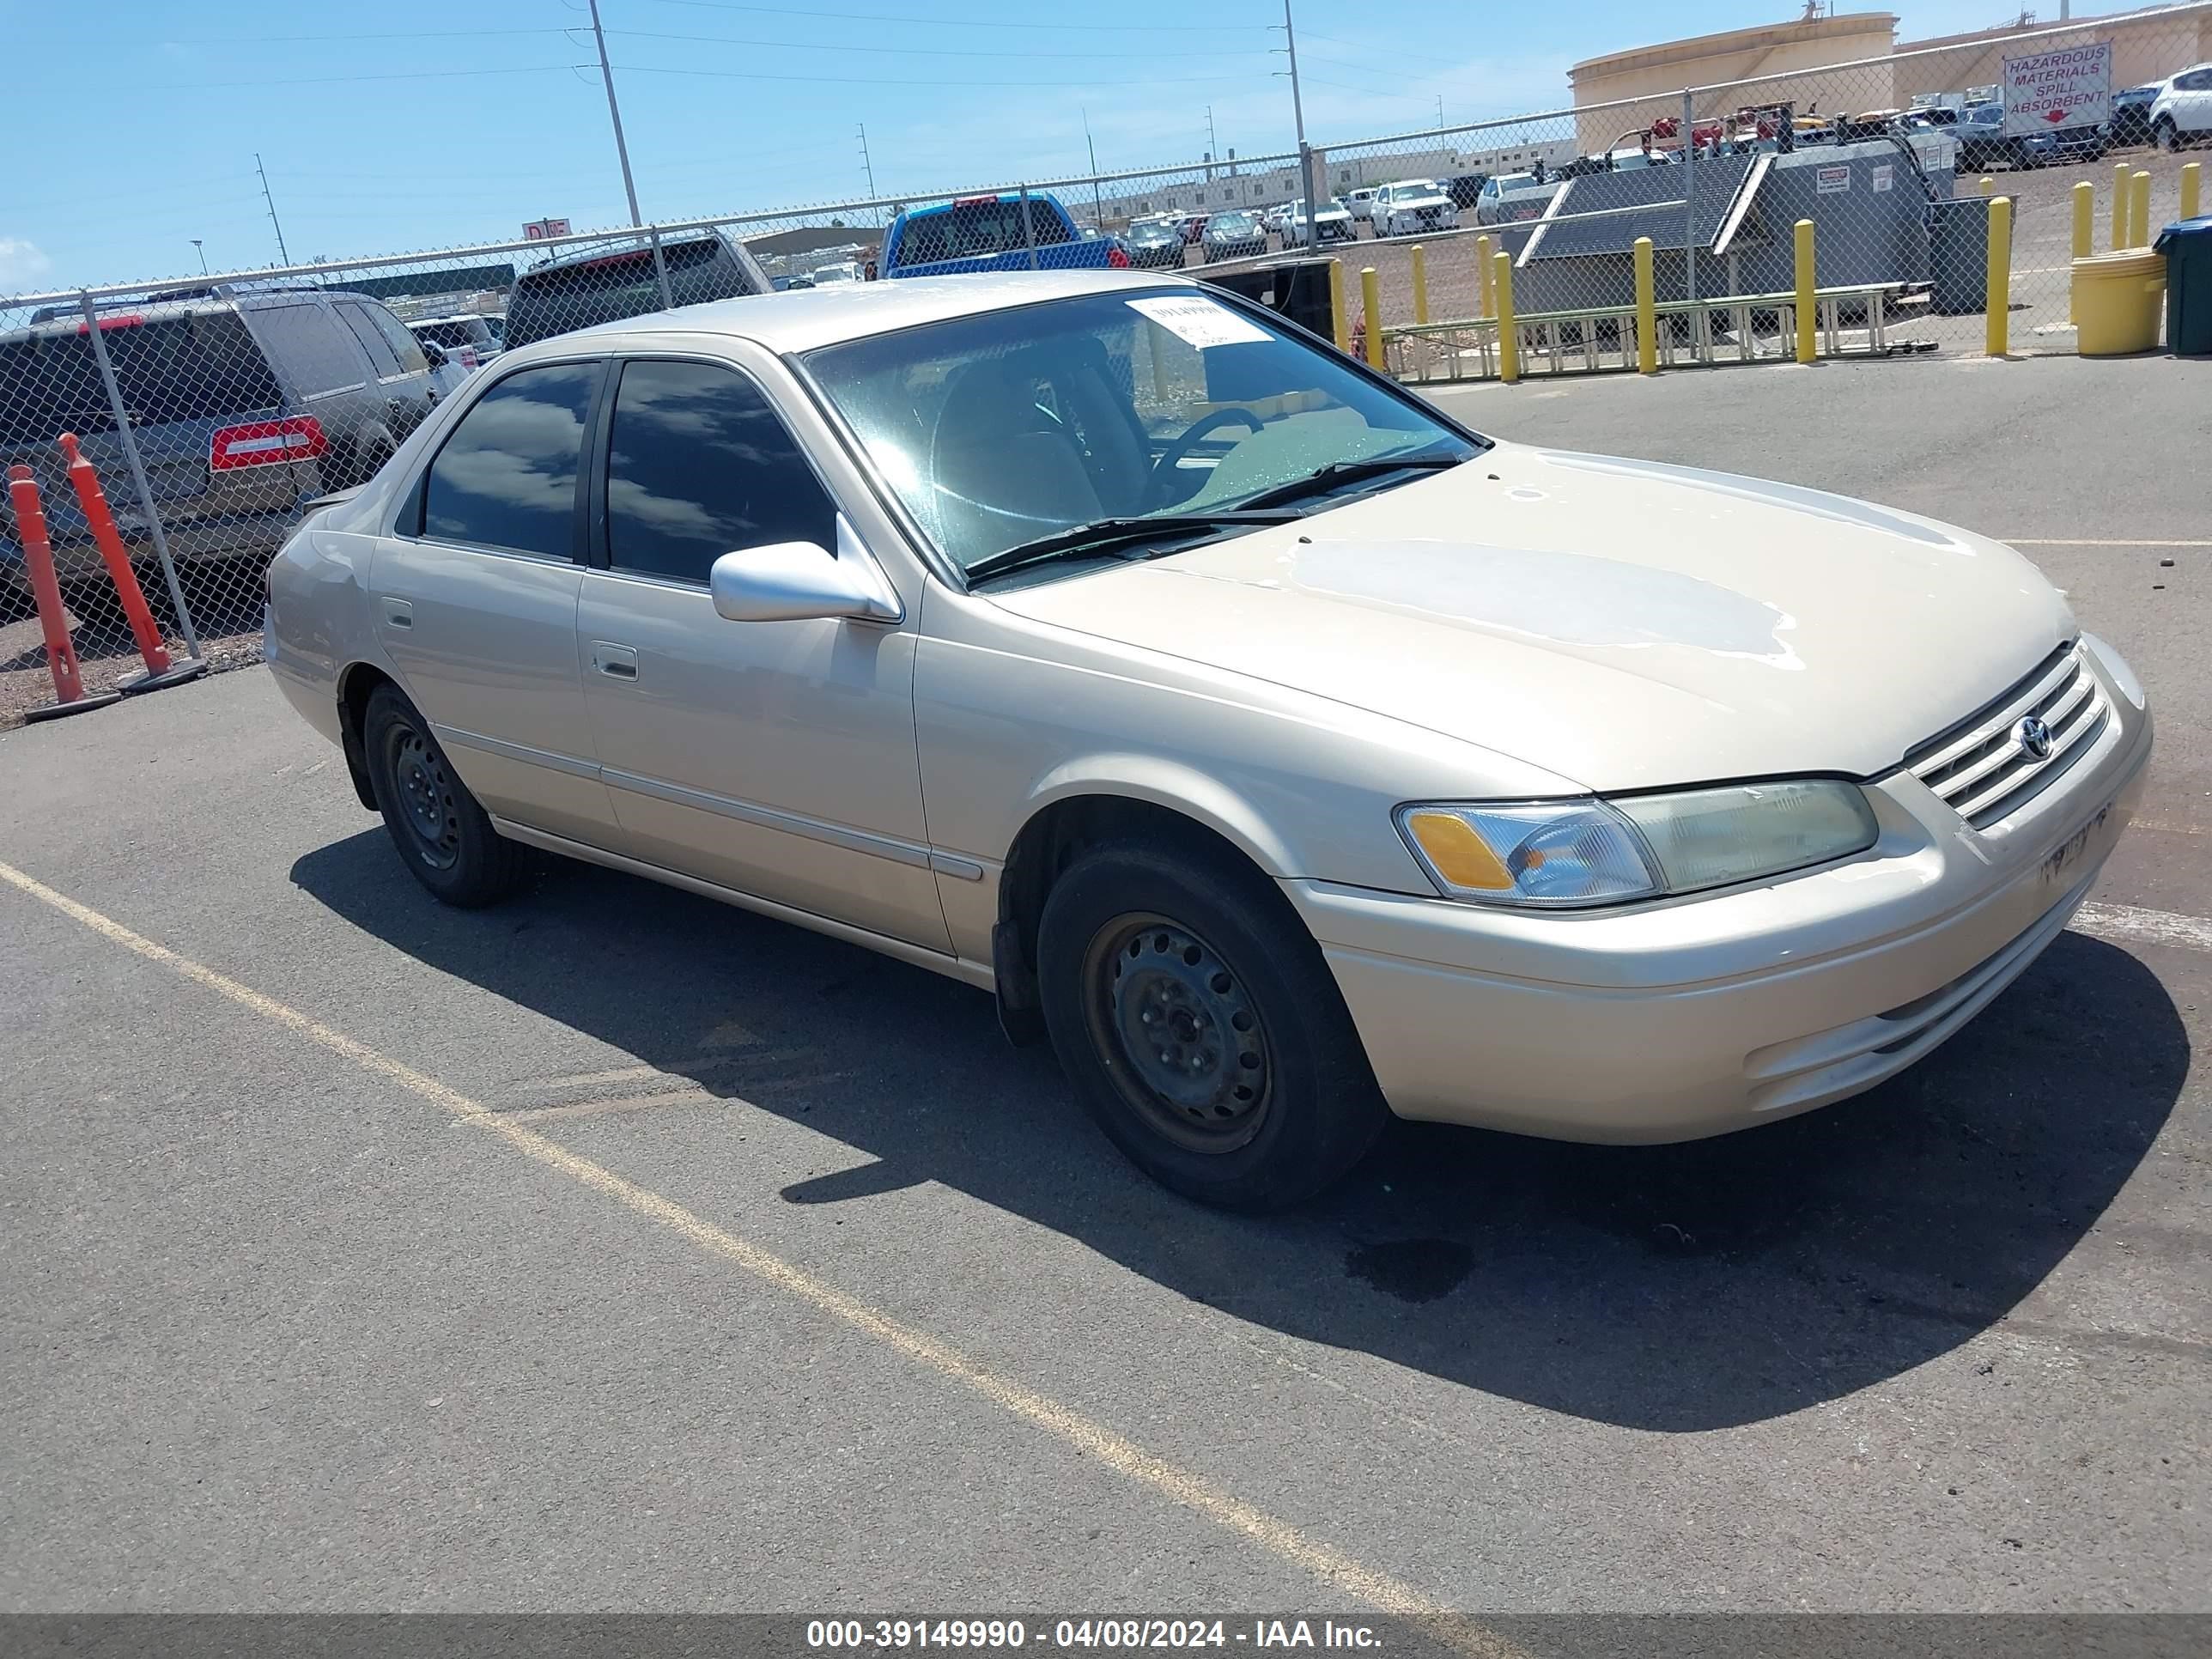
column 800, row 319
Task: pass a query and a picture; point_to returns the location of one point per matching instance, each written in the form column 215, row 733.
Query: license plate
column 2059, row 863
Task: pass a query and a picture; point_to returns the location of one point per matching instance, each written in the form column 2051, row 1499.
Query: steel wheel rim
column 1182, row 1038
column 425, row 790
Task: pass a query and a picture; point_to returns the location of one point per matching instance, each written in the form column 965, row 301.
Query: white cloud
column 22, row 262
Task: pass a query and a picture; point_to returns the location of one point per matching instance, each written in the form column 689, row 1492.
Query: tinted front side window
column 507, row 478
column 311, row 346
column 699, row 465
column 404, row 346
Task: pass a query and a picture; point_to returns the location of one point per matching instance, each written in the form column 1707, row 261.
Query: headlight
column 1556, row 854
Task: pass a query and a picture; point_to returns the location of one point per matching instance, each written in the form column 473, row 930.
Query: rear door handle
column 399, row 613
column 616, row 662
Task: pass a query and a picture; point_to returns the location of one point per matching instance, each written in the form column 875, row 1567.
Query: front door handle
column 616, row 662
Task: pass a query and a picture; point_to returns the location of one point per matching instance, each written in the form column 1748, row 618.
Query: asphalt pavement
column 613, row 1250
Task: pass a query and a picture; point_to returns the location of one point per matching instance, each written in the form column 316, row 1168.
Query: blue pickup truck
column 984, row 233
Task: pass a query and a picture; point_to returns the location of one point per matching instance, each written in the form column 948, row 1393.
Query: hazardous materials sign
column 2051, row 91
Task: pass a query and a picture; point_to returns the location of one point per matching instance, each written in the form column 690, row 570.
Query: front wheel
column 1197, row 1021
column 443, row 837
column 2166, row 135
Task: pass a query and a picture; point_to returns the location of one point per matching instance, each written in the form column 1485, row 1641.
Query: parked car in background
column 1360, row 203
column 1983, row 142
column 1334, row 223
column 1155, row 242
column 606, row 282
column 1411, row 207
column 840, row 270
column 244, row 401
column 466, row 338
column 2181, row 114
column 1233, row 235
column 1465, row 189
column 785, row 284
column 1194, row 228
column 1280, row 792
column 2129, row 123
column 1511, row 196
column 986, row 232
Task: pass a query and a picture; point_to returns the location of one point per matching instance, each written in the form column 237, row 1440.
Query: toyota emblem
column 2033, row 736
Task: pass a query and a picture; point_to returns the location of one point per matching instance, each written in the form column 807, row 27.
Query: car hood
column 1437, row 200
column 1621, row 623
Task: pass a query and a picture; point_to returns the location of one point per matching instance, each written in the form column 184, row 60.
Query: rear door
column 474, row 597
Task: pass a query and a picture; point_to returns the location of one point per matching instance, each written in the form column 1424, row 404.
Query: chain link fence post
column 128, row 440
column 661, row 270
column 1028, row 228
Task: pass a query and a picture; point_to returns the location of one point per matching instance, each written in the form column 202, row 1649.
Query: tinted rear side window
column 507, row 476
column 379, row 349
column 315, row 351
column 604, row 290
column 698, row 466
column 404, row 346
column 200, row 366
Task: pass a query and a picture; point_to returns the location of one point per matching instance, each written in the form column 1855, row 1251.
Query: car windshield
column 1232, row 224
column 1149, row 234
column 1001, row 428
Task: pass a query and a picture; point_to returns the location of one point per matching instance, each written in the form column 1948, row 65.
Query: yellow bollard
column 1807, row 340
column 2139, row 210
column 1647, row 311
column 1421, row 285
column 2120, row 170
column 2193, row 181
column 1337, row 312
column 1509, row 333
column 1370, row 298
column 1482, row 275
column 1988, row 185
column 1999, row 302
column 2084, row 231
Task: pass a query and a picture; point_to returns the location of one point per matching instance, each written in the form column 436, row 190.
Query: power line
column 397, row 34
column 335, row 79
column 922, row 52
column 969, row 23
column 933, row 81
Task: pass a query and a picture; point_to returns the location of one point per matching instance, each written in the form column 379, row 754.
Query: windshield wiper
column 1338, row 472
column 1101, row 535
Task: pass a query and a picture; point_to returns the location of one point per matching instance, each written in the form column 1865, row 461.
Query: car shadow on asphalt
column 1670, row 1288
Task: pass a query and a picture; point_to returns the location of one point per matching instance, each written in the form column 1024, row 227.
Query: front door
column 775, row 758
column 476, row 602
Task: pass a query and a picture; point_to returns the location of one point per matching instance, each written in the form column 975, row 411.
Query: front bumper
column 1698, row 1016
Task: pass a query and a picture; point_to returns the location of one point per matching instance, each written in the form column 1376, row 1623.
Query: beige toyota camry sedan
column 1286, row 753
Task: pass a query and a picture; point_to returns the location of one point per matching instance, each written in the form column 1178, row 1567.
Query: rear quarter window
column 312, row 347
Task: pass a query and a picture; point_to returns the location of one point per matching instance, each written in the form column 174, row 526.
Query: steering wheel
column 1181, row 444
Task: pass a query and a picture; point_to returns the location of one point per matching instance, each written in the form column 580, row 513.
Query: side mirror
column 801, row 582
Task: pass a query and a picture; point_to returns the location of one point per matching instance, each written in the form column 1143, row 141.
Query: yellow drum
column 2117, row 301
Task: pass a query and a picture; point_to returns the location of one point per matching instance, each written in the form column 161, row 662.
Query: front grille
column 1983, row 770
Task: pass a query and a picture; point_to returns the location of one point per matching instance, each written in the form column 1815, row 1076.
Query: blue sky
column 418, row 123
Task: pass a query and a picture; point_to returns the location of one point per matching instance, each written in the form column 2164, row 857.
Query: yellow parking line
column 1324, row 1561
column 2018, row 541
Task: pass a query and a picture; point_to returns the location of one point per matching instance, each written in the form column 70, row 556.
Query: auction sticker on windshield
column 1200, row 321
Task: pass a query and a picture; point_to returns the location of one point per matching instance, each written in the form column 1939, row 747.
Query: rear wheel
column 1196, row 1019
column 443, row 835
column 2166, row 135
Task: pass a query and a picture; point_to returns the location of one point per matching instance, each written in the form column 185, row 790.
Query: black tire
column 1193, row 940
column 2166, row 135
column 443, row 836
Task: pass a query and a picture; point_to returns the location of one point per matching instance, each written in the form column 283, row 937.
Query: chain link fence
column 212, row 411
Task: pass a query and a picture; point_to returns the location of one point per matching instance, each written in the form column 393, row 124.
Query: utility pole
column 282, row 258
column 867, row 166
column 1313, row 198
column 1212, row 144
column 621, row 152
column 1440, row 110
column 1098, row 208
